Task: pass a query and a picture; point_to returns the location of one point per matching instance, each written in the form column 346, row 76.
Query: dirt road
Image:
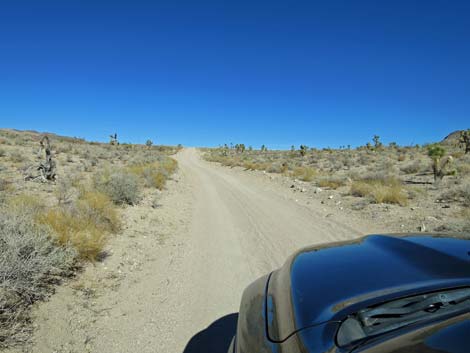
column 174, row 278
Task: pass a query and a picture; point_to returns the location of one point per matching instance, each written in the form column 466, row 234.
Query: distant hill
column 37, row 135
column 452, row 138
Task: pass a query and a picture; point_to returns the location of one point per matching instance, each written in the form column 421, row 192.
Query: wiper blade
column 408, row 306
column 399, row 313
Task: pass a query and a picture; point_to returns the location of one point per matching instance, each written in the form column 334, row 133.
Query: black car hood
column 326, row 283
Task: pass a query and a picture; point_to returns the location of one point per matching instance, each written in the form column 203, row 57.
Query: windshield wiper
column 395, row 314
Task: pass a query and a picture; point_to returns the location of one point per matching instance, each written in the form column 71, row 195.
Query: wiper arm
column 408, row 306
column 399, row 313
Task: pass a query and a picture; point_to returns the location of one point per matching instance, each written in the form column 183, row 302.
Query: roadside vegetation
column 58, row 210
column 375, row 181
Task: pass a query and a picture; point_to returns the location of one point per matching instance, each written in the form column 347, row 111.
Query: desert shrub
column 256, row 165
column 63, row 190
column 401, row 157
column 275, row 168
column 170, row 165
column 29, row 262
column 380, row 190
column 17, row 156
column 331, row 182
column 412, row 167
column 463, row 166
column 85, row 225
column 25, row 204
column 459, row 193
column 158, row 180
column 3, row 153
column 154, row 174
column 121, row 186
column 304, row 173
column 4, row 185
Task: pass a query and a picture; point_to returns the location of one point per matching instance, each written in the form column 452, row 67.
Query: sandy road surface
column 175, row 276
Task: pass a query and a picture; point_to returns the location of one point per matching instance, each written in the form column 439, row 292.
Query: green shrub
column 122, row 187
column 30, row 261
column 412, row 167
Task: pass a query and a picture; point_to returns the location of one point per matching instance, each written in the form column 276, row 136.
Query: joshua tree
column 240, row 147
column 225, row 150
column 149, row 143
column 377, row 143
column 47, row 170
column 113, row 139
column 263, row 148
column 303, row 150
column 440, row 164
column 464, row 140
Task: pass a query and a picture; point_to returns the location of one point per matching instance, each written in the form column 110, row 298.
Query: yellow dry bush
column 86, row 225
column 25, row 204
column 304, row 173
column 159, row 180
column 154, row 174
column 380, row 190
column 330, row 183
column 256, row 166
column 169, row 165
column 100, row 210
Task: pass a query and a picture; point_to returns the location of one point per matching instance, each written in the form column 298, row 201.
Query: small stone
column 303, row 190
column 330, row 197
column 422, row 228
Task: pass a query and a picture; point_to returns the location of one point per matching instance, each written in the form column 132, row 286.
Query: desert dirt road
column 174, row 277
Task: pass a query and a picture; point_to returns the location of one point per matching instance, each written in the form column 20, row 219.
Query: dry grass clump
column 412, row 167
column 30, row 261
column 256, row 166
column 85, row 225
column 331, row 182
column 388, row 190
column 304, row 173
column 121, row 186
column 155, row 174
column 5, row 185
column 459, row 193
column 17, row 157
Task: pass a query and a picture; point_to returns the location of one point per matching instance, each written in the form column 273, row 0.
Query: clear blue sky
column 321, row 73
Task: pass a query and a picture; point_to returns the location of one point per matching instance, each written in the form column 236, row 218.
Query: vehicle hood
column 326, row 283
